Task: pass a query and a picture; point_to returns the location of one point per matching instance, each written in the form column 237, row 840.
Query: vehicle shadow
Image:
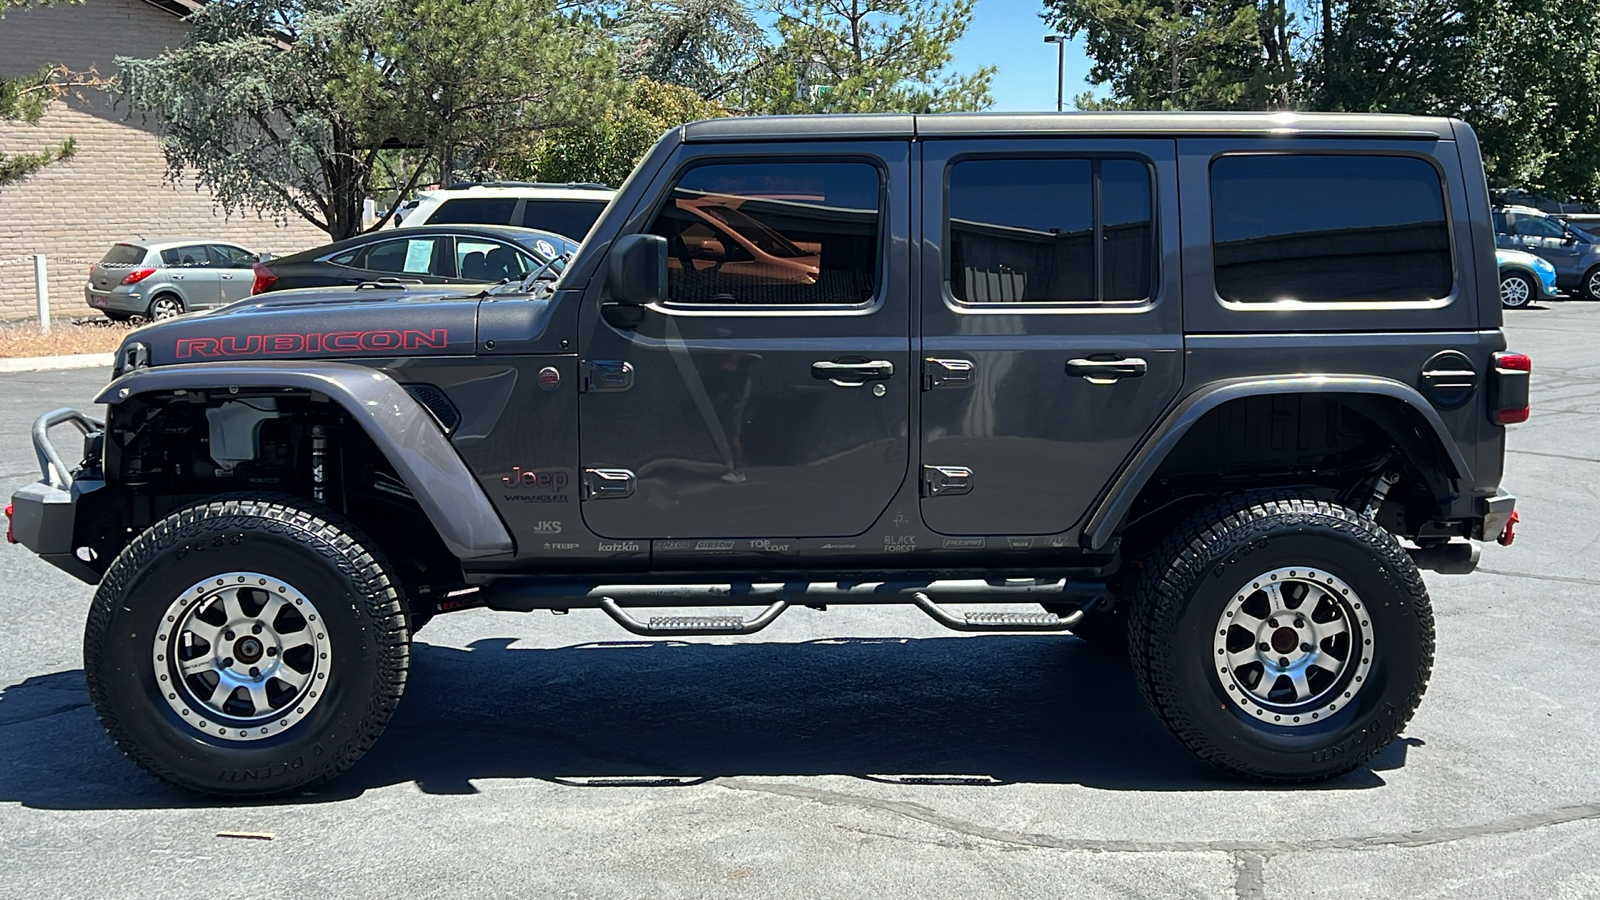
column 997, row 710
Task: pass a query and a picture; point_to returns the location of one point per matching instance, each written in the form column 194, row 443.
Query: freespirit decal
column 332, row 341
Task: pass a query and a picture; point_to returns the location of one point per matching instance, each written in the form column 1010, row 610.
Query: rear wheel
column 246, row 647
column 1282, row 638
column 1516, row 290
column 165, row 307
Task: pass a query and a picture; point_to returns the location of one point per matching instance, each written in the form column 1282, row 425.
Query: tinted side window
column 773, row 233
column 475, row 211
column 1329, row 228
column 491, row 261
column 1035, row 231
column 411, row 256
column 229, row 257
column 1538, row 226
column 570, row 218
column 185, row 257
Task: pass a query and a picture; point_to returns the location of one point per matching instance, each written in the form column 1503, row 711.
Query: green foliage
column 24, row 99
column 707, row 46
column 606, row 149
column 836, row 56
column 1183, row 54
column 289, row 107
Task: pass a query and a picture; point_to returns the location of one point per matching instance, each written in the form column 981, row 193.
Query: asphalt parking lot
column 858, row 752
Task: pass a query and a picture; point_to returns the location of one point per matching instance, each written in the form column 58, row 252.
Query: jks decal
column 324, row 342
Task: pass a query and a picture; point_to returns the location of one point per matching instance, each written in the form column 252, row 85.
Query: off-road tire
column 1186, row 588
column 330, row 562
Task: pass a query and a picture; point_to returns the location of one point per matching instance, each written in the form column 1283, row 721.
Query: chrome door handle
column 1106, row 371
column 852, row 373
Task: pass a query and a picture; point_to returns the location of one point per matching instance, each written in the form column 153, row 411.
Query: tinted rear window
column 124, row 255
column 571, row 218
column 1328, row 228
column 475, row 211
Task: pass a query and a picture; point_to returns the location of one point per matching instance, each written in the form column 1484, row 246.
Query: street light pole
column 1061, row 64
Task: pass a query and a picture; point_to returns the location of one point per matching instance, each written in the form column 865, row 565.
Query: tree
column 1184, row 54
column 288, row 107
column 866, row 56
column 607, row 149
column 25, row 100
column 707, row 46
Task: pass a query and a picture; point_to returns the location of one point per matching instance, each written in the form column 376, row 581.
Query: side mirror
column 637, row 270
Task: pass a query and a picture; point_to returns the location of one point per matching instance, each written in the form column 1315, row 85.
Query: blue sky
column 1009, row 34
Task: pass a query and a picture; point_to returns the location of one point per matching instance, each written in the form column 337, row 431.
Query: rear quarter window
column 571, row 218
column 1319, row 228
column 474, row 211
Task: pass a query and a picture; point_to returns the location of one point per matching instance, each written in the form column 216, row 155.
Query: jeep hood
column 316, row 324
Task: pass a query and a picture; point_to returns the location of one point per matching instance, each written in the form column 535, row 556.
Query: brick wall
column 114, row 189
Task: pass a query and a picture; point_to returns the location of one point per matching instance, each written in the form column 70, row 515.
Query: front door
column 1051, row 322
column 769, row 396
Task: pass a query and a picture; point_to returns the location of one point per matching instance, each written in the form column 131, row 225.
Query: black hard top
column 903, row 126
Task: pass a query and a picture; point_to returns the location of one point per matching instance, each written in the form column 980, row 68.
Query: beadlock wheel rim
column 1293, row 646
column 1514, row 292
column 241, row 656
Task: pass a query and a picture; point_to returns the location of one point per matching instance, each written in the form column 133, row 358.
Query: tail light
column 1509, row 397
column 137, row 275
column 264, row 279
column 11, row 534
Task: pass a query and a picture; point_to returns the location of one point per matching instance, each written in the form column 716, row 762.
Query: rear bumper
column 44, row 515
column 115, row 300
column 1497, row 512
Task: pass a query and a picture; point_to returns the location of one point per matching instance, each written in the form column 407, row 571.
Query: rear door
column 1052, row 334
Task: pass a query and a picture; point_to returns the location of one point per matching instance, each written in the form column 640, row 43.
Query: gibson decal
column 332, row 342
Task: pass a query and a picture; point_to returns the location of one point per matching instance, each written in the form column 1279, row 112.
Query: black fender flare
column 398, row 425
column 1108, row 513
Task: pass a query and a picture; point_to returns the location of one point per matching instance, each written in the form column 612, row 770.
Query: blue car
column 1524, row 278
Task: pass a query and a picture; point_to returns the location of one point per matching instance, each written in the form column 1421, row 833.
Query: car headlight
column 1543, row 265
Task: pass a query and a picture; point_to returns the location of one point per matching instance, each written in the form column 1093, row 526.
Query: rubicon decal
column 321, row 342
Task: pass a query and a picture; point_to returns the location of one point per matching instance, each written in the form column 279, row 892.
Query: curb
column 52, row 363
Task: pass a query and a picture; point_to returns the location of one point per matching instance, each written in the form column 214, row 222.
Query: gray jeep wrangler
column 1212, row 387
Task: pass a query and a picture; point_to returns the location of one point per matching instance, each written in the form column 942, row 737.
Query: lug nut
column 227, row 635
column 1305, row 648
column 1299, row 623
column 256, row 628
column 1273, row 622
column 255, row 672
column 1284, row 662
column 227, row 663
column 1263, row 646
column 272, row 651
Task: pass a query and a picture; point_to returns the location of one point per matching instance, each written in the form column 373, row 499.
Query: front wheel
column 1282, row 638
column 247, row 647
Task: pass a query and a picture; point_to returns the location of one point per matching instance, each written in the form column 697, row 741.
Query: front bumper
column 44, row 514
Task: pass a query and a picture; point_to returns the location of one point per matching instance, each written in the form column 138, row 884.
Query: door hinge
column 946, row 481
column 607, row 484
column 604, row 375
column 942, row 373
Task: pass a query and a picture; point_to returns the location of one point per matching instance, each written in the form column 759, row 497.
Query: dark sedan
column 445, row 254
